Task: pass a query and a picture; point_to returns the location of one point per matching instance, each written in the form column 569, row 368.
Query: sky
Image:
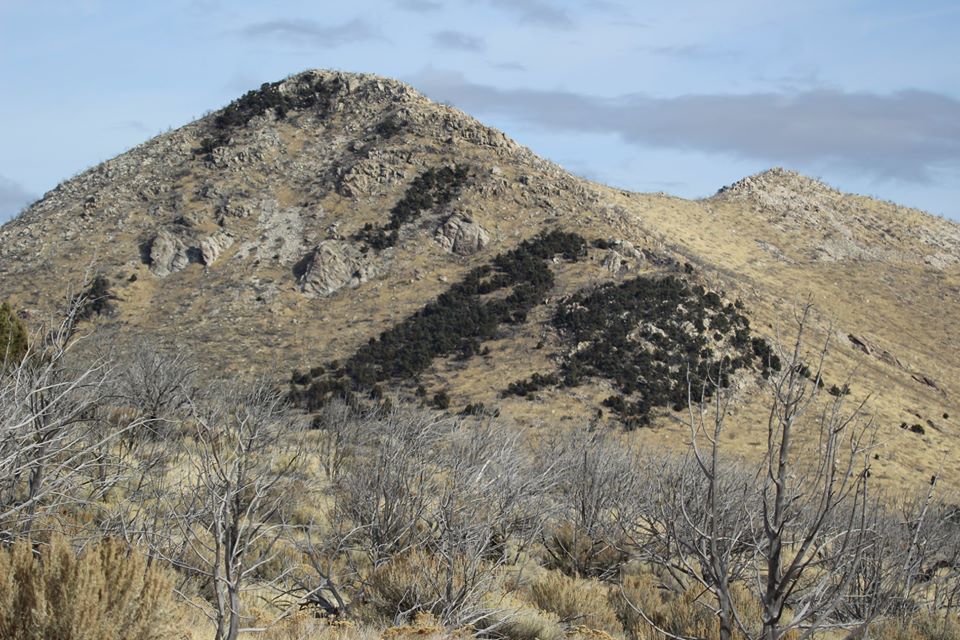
column 682, row 96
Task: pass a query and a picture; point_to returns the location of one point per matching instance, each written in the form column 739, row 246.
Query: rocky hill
column 351, row 236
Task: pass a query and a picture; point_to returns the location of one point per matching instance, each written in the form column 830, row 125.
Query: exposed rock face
column 868, row 347
column 461, row 235
column 333, row 265
column 212, row 247
column 613, row 262
column 281, row 233
column 168, row 254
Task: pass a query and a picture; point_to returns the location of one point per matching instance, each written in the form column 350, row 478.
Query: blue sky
column 682, row 96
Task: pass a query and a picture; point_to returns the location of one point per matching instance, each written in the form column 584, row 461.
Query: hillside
column 299, row 224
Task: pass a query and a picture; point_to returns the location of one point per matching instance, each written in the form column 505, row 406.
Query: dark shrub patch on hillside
column 431, row 189
column 531, row 385
column 441, row 400
column 453, row 324
column 256, row 103
column 836, row 391
column 97, row 299
column 389, row 127
column 652, row 336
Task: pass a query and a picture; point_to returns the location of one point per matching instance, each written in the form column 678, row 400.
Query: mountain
column 343, row 232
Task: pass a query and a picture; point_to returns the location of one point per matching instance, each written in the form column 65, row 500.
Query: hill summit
column 353, row 237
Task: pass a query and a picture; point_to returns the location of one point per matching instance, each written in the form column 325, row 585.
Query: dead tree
column 696, row 520
column 156, row 381
column 597, row 486
column 382, row 497
column 228, row 512
column 50, row 449
column 814, row 503
column 488, row 499
column 794, row 531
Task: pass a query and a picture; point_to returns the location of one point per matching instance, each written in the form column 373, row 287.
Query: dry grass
column 250, row 315
column 922, row 627
column 307, row 627
column 688, row 613
column 576, row 602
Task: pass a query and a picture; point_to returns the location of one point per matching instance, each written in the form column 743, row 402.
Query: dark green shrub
column 441, row 400
column 257, row 102
column 649, row 336
column 13, row 337
column 837, row 392
column 97, row 299
column 531, row 385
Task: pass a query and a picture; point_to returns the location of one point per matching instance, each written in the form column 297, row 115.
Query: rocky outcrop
column 334, row 265
column 613, row 262
column 212, row 247
column 281, row 232
column 168, row 254
column 461, row 235
column 868, row 347
column 927, row 380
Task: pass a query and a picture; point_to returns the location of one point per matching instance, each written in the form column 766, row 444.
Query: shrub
column 683, row 613
column 532, row 384
column 576, row 602
column 108, row 592
column 257, row 102
column 441, row 400
column 836, row 391
column 517, row 620
column 13, row 337
column 417, row 583
column 576, row 553
column 674, row 611
column 97, row 299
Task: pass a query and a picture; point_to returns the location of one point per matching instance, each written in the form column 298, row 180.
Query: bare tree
column 50, row 449
column 342, row 432
column 383, row 496
column 228, row 512
column 424, row 515
column 696, row 521
column 796, row 532
column 597, row 490
column 488, row 499
column 814, row 509
column 156, row 381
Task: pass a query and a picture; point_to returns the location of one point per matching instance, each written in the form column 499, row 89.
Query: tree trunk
column 234, row 629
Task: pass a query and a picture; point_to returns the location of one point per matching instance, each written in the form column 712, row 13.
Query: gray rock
column 212, row 247
column 613, row 262
column 168, row 254
column 461, row 235
column 333, row 265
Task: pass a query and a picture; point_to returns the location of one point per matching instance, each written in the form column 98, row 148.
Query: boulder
column 333, row 265
column 168, row 254
column 613, row 262
column 461, row 235
column 212, row 247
